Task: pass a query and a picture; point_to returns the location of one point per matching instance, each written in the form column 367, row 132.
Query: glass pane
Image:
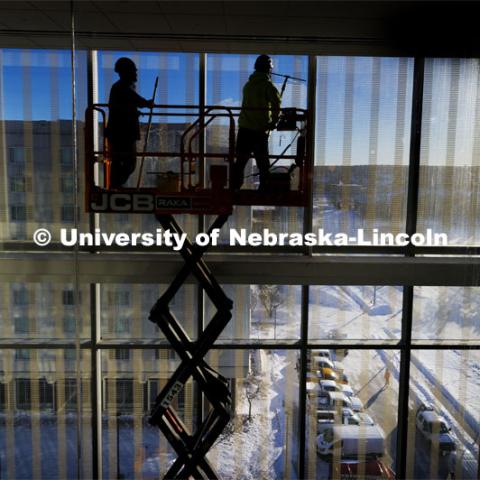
column 36, row 126
column 362, row 144
column 131, row 381
column 355, row 312
column 43, row 311
column 352, row 400
column 449, row 174
column 261, row 312
column 178, row 75
column 40, row 429
column 261, row 440
column 226, row 75
column 444, row 416
column 446, row 313
column 126, row 308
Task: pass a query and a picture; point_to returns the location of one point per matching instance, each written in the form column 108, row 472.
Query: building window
column 120, row 298
column 66, row 158
column 23, row 393
column 46, row 394
column 69, row 354
column 69, row 324
column 18, row 213
column 16, row 154
column 122, row 354
column 66, row 184
column 70, row 392
column 124, row 395
column 20, row 324
column 20, row 297
column 153, row 391
column 122, row 325
column 2, row 397
column 17, row 184
column 68, row 297
column 22, row 354
column 68, row 213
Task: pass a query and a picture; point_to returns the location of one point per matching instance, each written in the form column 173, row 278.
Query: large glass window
column 355, row 312
column 352, row 398
column 449, row 175
column 226, row 76
column 42, row 430
column 443, row 421
column 36, row 130
column 443, row 314
column 56, row 334
column 178, row 75
column 362, row 141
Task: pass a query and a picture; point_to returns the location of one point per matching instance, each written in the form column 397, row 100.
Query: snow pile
column 249, row 452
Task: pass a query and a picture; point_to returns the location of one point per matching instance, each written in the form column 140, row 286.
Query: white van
column 357, row 405
column 351, row 441
column 333, row 401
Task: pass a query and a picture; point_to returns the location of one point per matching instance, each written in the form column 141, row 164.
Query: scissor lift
column 191, row 195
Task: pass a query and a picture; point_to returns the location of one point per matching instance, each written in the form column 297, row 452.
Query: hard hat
column 125, row 64
column 263, row 64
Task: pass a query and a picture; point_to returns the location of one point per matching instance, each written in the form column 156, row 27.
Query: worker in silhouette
column 123, row 129
column 259, row 115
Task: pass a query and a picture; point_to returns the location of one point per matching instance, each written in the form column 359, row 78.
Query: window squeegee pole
column 145, row 143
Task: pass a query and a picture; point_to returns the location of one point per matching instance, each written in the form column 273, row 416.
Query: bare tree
column 271, row 298
column 253, row 299
column 252, row 389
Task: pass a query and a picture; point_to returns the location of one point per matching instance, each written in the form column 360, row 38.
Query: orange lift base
column 205, row 202
column 151, row 200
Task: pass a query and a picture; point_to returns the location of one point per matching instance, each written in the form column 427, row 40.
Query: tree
column 252, row 389
column 271, row 298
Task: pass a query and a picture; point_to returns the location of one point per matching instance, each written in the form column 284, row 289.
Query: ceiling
column 333, row 27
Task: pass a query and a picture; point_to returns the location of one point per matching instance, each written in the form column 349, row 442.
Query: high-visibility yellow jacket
column 259, row 92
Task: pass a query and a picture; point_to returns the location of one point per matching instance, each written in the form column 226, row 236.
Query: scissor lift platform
column 196, row 193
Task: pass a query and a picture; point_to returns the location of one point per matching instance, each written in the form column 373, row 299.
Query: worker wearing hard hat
column 259, row 115
column 123, row 128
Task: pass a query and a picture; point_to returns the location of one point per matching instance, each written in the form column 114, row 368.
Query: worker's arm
column 274, row 99
column 142, row 102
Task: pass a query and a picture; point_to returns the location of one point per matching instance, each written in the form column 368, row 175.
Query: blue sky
column 37, row 85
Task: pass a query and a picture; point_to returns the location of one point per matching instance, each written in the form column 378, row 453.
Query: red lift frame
column 192, row 199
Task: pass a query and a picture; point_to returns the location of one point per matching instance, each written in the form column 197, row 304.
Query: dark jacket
column 259, row 92
column 123, row 124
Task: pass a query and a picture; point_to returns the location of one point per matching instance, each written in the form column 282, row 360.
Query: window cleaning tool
column 145, row 143
column 287, row 78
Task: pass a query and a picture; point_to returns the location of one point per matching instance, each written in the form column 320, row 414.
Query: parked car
column 357, row 405
column 327, row 374
column 329, row 386
column 322, row 362
column 313, row 388
column 364, row 418
column 435, row 428
column 347, row 390
column 333, row 401
column 327, row 418
column 351, row 441
column 322, row 352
